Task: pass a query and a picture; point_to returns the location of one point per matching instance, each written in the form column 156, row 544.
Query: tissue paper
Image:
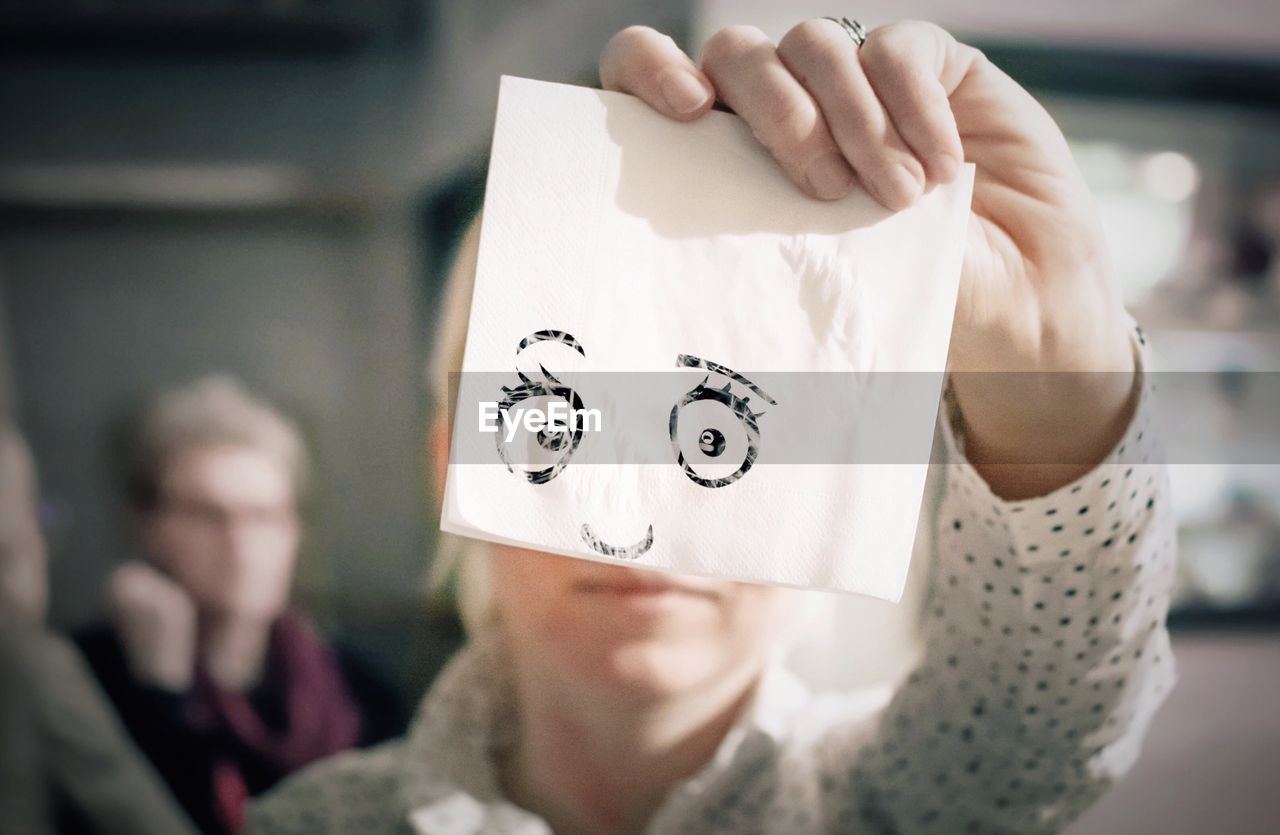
column 725, row 376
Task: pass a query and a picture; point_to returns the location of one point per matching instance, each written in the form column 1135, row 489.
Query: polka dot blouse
column 1045, row 655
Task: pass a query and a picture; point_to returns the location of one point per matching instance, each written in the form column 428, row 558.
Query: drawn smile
column 628, row 552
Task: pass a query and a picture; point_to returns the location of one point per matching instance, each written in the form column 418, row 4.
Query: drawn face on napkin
column 663, row 284
column 714, row 430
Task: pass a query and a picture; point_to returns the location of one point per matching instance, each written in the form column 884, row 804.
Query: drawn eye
column 711, row 442
column 715, row 433
column 538, row 455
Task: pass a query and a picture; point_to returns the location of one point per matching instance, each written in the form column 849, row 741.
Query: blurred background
column 272, row 188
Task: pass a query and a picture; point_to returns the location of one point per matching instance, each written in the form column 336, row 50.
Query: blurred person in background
column 597, row 698
column 224, row 686
column 66, row 763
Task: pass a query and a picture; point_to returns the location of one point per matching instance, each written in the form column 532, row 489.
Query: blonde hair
column 215, row 410
column 467, row 561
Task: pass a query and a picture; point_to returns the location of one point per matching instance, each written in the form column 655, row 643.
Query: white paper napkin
column 645, row 240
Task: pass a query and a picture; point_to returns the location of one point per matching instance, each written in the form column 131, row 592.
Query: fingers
column 906, row 64
column 137, row 586
column 823, row 58
column 749, row 76
column 829, row 112
column 647, row 64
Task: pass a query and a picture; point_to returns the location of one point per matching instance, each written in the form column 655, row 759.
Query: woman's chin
column 653, row 666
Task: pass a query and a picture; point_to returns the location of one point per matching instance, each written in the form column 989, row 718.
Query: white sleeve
column 1046, row 652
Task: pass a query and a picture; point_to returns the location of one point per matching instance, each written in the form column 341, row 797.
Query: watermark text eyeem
column 558, row 417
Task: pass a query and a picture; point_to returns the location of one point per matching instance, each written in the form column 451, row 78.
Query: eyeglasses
column 212, row 516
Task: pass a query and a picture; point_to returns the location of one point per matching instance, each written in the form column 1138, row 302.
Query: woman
column 224, row 686
column 595, row 698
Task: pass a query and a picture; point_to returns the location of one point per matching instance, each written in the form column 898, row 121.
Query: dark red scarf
column 320, row 717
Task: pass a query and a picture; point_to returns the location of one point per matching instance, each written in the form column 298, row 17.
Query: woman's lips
column 641, row 585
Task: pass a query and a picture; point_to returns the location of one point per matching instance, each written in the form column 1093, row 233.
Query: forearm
column 1046, row 651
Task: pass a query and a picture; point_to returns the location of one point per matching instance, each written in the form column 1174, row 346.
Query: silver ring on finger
column 855, row 30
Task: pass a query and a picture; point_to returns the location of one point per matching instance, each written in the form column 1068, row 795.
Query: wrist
column 1030, row 431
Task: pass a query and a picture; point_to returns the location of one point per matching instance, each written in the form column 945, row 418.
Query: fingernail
column 898, row 187
column 684, row 92
column 945, row 167
column 830, row 176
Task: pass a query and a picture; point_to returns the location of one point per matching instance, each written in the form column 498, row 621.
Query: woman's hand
column 903, row 111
